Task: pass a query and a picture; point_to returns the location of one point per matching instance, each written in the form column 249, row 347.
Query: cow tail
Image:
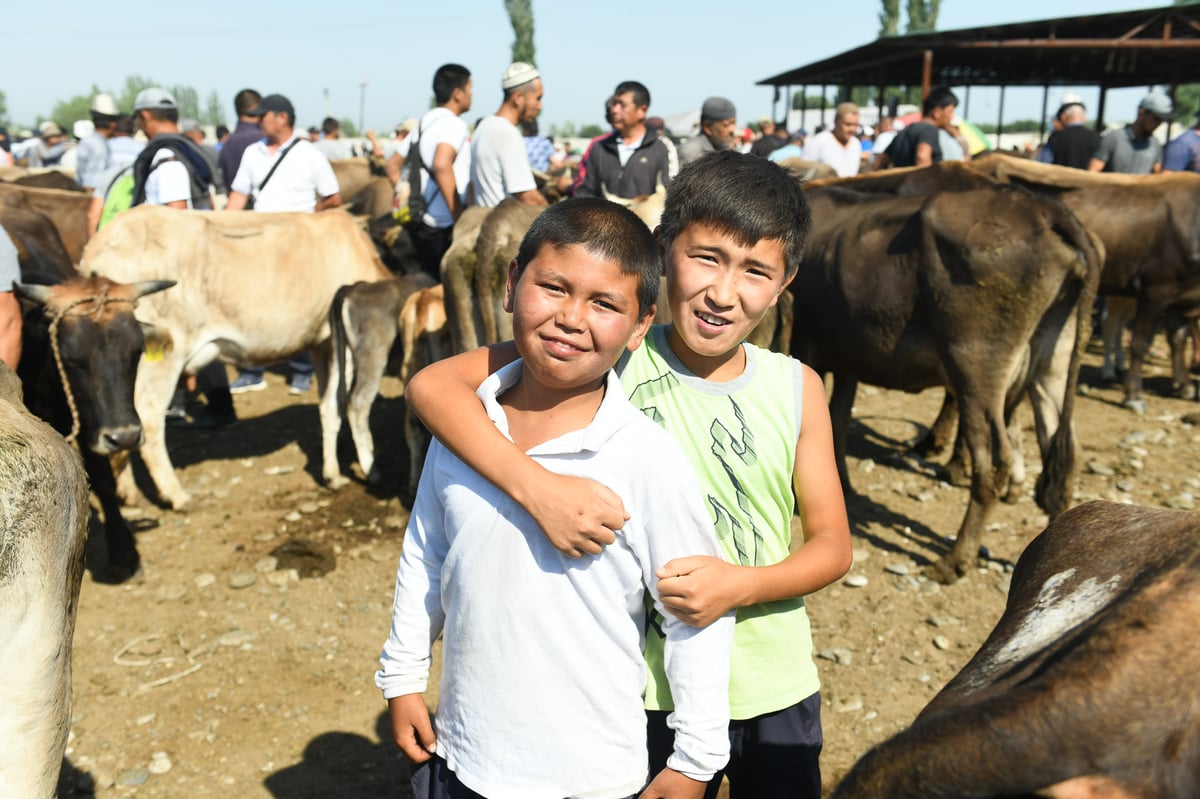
column 341, row 343
column 1053, row 490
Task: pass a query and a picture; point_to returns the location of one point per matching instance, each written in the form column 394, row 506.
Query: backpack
column 128, row 187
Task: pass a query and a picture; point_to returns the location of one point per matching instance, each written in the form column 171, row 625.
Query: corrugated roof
column 1129, row 48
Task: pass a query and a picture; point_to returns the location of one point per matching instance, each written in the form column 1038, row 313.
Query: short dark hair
column 222, row 131
column 448, row 78
column 329, row 125
column 742, row 195
column 604, row 229
column 246, row 100
column 102, row 120
column 641, row 95
column 162, row 114
column 938, row 97
column 125, row 124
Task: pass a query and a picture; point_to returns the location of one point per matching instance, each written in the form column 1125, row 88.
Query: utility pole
column 362, row 107
column 327, row 105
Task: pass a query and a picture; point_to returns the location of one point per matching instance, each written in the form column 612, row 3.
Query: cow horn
column 150, row 287
column 38, row 294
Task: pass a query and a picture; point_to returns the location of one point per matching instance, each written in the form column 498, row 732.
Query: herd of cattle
column 977, row 277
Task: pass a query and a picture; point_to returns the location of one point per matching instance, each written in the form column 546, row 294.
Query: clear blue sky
column 682, row 51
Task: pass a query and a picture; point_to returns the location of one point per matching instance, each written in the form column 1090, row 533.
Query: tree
column 520, row 14
column 348, row 127
column 591, row 131
column 187, row 100
column 922, row 15
column 889, row 18
column 214, row 112
column 67, row 112
column 129, row 92
column 3, row 109
column 800, row 101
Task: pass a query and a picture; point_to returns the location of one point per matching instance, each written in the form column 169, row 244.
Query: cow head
column 90, row 322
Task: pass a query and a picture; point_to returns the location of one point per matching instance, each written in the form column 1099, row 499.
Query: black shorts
column 774, row 756
column 434, row 780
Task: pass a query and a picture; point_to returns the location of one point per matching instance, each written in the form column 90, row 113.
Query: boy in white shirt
column 543, row 675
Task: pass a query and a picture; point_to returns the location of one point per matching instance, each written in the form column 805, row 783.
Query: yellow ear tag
column 154, row 351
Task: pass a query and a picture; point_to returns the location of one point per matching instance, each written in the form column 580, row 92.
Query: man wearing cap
column 839, row 146
column 192, row 130
column 50, row 146
column 246, row 133
column 632, row 161
column 395, row 153
column 91, row 156
column 718, row 130
column 283, row 172
column 773, row 137
column 1133, row 149
column 793, row 149
column 177, row 174
column 441, row 140
column 499, row 161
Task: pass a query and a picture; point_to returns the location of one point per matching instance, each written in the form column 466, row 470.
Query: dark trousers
column 433, row 780
column 775, row 756
column 431, row 244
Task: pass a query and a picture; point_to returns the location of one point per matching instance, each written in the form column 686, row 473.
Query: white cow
column 253, row 289
column 42, row 534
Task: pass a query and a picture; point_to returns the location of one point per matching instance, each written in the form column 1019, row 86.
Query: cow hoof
column 1138, row 406
column 336, row 481
column 943, row 571
column 375, row 476
column 177, row 501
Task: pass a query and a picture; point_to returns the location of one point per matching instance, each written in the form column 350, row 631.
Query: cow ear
column 151, row 286
column 158, row 341
column 33, row 293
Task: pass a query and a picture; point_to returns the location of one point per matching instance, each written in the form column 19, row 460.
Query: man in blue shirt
column 1183, row 152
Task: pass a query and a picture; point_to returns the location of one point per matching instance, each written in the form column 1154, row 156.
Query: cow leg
column 935, row 442
column 372, row 363
column 840, row 405
column 331, row 421
column 123, row 559
column 152, row 394
column 1118, row 313
column 1177, row 338
column 1139, row 347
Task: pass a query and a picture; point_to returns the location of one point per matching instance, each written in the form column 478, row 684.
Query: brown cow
column 66, row 209
column 978, row 292
column 1082, row 689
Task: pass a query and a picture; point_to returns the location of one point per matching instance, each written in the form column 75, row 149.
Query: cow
column 979, row 292
column 1082, row 688
column 81, row 342
column 364, row 319
column 43, row 530
column 66, row 209
column 1150, row 228
column 253, row 289
column 364, row 188
column 458, row 277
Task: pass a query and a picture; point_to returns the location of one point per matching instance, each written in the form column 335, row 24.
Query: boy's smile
column 574, row 313
column 718, row 290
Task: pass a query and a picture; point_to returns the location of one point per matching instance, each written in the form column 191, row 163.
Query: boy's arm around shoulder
column 417, row 620
column 577, row 515
column 670, row 512
column 701, row 589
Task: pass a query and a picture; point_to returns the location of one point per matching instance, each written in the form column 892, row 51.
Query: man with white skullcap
column 499, row 162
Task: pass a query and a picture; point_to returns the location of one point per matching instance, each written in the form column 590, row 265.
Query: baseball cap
column 188, row 125
column 273, row 102
column 518, row 73
column 716, row 108
column 152, row 98
column 105, row 104
column 1158, row 104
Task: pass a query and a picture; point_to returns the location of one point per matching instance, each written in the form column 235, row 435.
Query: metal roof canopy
column 1128, row 48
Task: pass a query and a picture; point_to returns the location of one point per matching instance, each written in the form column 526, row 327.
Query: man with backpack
column 283, row 172
column 171, row 171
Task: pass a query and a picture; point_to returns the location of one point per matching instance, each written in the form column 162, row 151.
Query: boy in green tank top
column 755, row 426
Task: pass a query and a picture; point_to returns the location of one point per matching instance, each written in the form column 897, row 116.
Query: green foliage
column 591, row 131
column 566, row 131
column 800, row 101
column 3, row 109
column 129, row 92
column 214, row 111
column 1016, row 126
column 187, row 99
column 520, row 14
column 922, row 15
column 1187, row 101
column 67, row 112
column 349, row 129
column 889, row 18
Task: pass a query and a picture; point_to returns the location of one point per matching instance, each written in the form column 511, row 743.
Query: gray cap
column 153, row 98
column 717, row 108
column 188, row 125
column 1158, row 104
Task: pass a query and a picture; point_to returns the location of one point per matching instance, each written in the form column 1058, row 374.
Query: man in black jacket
column 632, row 161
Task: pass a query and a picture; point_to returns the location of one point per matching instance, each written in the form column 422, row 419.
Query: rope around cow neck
column 102, row 299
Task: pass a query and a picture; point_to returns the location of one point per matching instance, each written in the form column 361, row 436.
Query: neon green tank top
column 740, row 437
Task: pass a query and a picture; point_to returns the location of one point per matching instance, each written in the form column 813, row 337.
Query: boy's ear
column 510, row 287
column 643, row 327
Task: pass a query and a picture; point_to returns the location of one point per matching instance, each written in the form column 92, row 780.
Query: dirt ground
column 224, row 673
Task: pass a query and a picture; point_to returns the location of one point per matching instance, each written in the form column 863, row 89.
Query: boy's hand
column 577, row 515
column 411, row 727
column 700, row 589
column 670, row 784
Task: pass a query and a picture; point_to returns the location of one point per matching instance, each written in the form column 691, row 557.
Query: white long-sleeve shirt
column 543, row 675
